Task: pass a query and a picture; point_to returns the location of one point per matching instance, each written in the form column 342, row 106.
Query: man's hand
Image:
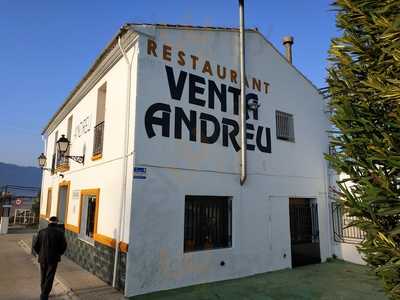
column 35, row 244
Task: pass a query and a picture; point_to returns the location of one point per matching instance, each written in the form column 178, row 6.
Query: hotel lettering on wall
column 83, row 127
column 204, row 93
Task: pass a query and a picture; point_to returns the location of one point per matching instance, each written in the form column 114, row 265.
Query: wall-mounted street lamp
column 63, row 145
column 42, row 162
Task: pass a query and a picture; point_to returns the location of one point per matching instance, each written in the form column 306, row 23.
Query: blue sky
column 47, row 46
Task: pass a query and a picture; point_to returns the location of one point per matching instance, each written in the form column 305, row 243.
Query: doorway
column 62, row 203
column 304, row 231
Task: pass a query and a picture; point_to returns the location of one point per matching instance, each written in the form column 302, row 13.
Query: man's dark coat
column 50, row 244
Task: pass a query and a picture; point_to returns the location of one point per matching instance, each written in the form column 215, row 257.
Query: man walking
column 50, row 244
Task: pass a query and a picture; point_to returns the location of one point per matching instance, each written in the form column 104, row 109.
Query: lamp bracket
column 78, row 159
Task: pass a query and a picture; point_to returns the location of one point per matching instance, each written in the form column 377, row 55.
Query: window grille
column 48, row 204
column 53, row 163
column 284, row 126
column 100, row 116
column 54, row 156
column 98, row 139
column 208, row 223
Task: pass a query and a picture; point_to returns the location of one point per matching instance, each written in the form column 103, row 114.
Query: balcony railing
column 98, row 139
column 53, row 163
column 343, row 230
column 61, row 160
column 62, row 163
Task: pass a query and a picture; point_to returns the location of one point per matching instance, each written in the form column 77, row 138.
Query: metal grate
column 284, row 126
column 53, row 164
column 25, row 217
column 304, row 223
column 98, row 139
column 208, row 223
column 62, row 160
column 342, row 231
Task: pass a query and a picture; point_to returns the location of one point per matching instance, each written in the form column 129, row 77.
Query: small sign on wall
column 139, row 173
column 75, row 194
column 83, row 127
column 75, row 199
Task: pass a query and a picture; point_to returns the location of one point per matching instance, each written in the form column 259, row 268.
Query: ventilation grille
column 284, row 126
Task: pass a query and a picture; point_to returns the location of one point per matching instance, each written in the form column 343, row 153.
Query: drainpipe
column 118, row 237
column 243, row 106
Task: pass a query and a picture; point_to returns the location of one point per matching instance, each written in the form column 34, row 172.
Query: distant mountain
column 17, row 175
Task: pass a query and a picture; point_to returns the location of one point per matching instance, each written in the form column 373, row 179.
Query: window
column 208, row 223
column 69, row 132
column 284, row 126
column 54, row 157
column 89, row 207
column 62, row 204
column 48, row 204
column 99, row 128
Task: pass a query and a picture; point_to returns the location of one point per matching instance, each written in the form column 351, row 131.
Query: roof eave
column 96, row 62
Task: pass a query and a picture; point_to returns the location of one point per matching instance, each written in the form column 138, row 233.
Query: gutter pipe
column 243, row 106
column 118, row 237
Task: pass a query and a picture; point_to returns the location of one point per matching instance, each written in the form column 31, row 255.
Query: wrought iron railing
column 25, row 217
column 343, row 231
column 62, row 160
column 98, row 139
column 53, row 163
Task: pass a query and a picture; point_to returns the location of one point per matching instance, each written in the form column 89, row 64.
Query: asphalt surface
column 20, row 277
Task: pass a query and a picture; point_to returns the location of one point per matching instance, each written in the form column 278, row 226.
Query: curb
column 61, row 289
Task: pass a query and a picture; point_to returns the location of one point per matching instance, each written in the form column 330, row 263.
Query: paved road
column 19, row 276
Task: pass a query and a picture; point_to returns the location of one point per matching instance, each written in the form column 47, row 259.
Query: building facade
column 157, row 120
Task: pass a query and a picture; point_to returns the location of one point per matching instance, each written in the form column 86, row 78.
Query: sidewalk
column 21, row 280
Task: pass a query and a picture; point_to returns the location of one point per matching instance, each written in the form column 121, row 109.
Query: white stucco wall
column 348, row 252
column 179, row 167
column 105, row 173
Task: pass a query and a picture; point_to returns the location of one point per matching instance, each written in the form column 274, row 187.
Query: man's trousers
column 47, row 273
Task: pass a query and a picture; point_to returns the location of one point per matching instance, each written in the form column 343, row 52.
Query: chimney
column 288, row 42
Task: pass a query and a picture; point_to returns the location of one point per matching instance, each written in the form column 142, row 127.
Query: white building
column 159, row 129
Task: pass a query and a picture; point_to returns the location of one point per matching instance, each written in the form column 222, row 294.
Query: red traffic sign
column 18, row 202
